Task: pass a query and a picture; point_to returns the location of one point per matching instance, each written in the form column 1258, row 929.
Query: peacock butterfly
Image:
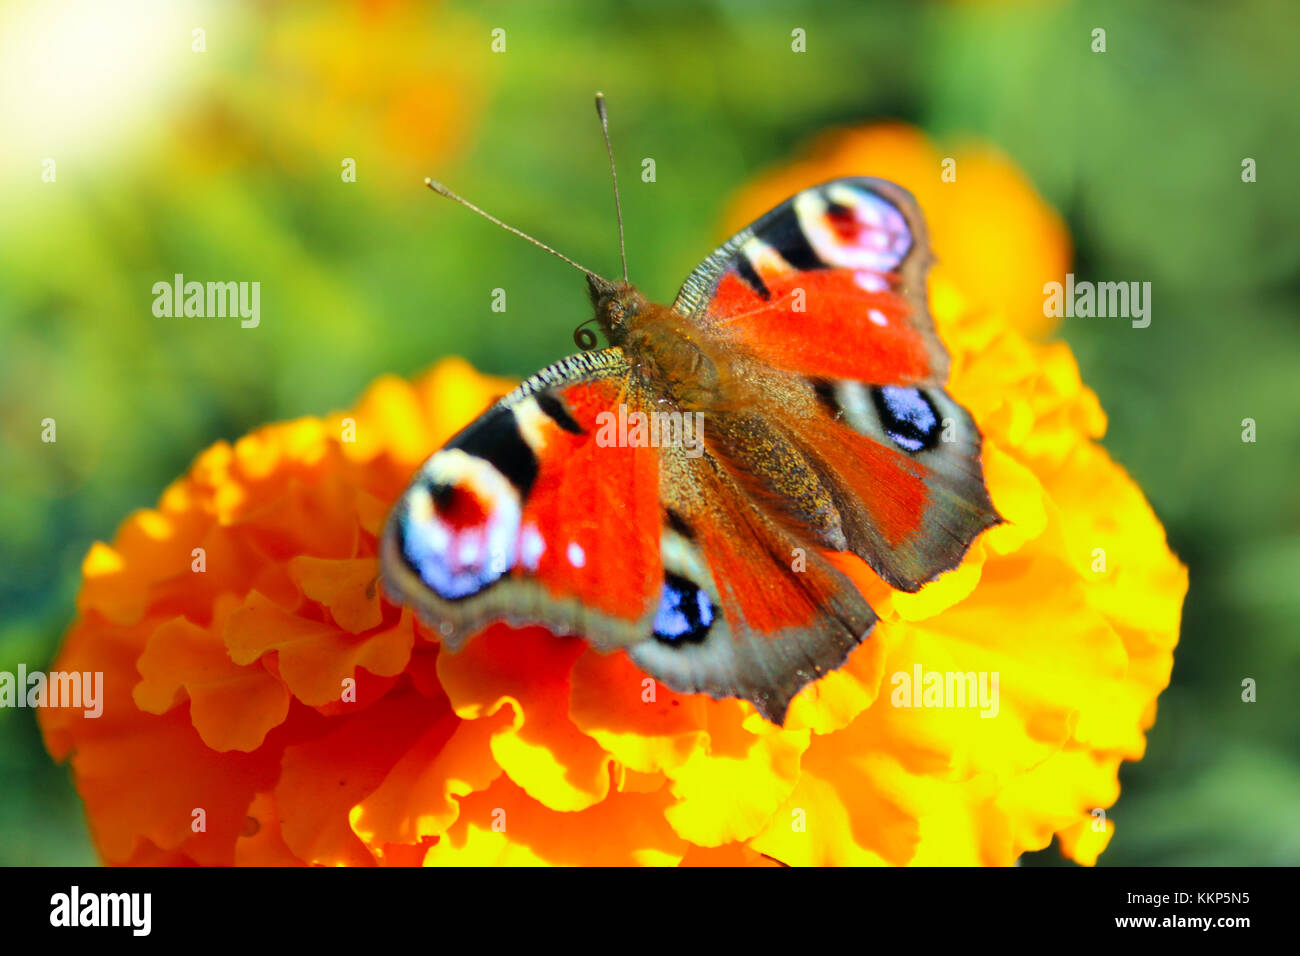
column 804, row 355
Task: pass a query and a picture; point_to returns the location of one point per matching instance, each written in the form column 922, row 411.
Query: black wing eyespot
column 908, row 417
column 685, row 614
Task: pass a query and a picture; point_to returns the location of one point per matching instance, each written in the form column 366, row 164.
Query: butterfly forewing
column 831, row 283
column 511, row 520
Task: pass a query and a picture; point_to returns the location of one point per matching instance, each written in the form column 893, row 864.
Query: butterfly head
column 616, row 303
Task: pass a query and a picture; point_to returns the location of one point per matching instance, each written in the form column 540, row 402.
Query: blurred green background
column 226, row 164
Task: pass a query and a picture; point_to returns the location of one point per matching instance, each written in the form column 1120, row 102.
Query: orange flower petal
column 421, row 796
column 503, row 826
column 231, row 707
column 314, row 658
column 527, row 670
column 641, row 723
column 322, row 779
column 348, row 587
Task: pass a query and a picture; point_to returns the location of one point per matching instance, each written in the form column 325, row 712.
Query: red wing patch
column 830, row 284
column 759, row 589
column 824, row 324
column 890, row 485
column 591, row 523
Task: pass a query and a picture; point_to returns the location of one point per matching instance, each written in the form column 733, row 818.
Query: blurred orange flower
column 385, row 84
column 264, row 704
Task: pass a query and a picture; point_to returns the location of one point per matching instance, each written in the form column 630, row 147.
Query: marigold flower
column 264, row 686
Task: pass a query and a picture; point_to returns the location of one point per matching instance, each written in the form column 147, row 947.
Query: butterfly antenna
column 618, row 206
column 442, row 190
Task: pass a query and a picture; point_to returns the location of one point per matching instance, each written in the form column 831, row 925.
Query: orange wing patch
column 825, row 324
column 590, row 526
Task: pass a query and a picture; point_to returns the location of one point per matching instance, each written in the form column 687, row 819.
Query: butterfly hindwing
column 904, row 463
column 750, row 608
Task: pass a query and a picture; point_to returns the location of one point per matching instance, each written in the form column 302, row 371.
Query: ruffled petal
column 527, row 671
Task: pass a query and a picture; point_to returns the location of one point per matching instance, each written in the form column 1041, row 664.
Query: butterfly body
column 669, row 357
column 803, row 351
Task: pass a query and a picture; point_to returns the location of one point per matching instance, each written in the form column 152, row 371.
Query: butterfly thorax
column 670, row 355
